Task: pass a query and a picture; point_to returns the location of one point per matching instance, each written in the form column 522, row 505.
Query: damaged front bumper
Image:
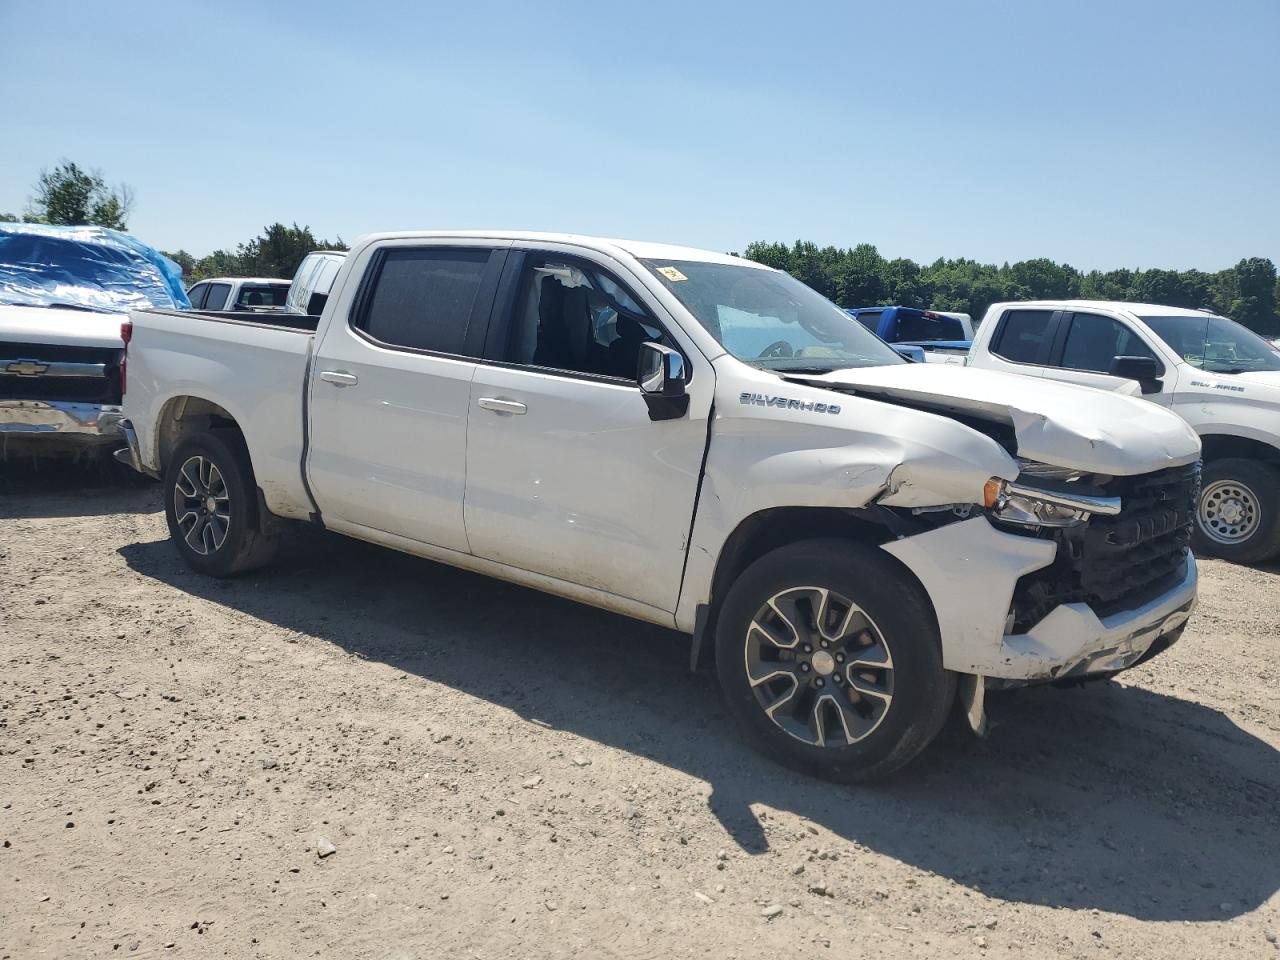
column 971, row 570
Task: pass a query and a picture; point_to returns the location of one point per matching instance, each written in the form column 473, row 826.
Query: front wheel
column 211, row 505
column 829, row 658
column 1238, row 516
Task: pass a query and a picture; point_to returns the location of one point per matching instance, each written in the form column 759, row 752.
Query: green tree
column 1042, row 279
column 279, row 250
column 8, row 218
column 859, row 277
column 1251, row 284
column 1111, row 285
column 183, row 259
column 73, row 196
column 904, row 283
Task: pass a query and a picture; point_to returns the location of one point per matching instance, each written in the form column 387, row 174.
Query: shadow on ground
column 1110, row 797
column 91, row 487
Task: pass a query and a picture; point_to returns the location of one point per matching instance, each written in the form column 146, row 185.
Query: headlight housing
column 1025, row 505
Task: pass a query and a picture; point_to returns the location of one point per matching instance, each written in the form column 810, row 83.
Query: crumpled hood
column 1058, row 423
column 77, row 328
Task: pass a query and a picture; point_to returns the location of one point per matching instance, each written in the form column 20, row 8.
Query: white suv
column 1221, row 378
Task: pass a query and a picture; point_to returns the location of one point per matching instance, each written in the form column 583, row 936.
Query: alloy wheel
column 202, row 505
column 819, row 667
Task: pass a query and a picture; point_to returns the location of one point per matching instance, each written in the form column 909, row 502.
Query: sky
column 1101, row 134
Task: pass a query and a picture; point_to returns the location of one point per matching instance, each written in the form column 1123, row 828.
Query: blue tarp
column 88, row 267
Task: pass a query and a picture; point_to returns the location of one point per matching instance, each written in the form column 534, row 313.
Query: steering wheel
column 779, row 349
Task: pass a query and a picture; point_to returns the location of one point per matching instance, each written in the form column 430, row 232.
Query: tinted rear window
column 262, row 295
column 422, row 299
column 1022, row 335
column 920, row 327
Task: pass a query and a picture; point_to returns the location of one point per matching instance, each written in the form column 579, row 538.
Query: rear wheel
column 830, row 660
column 1238, row 516
column 211, row 505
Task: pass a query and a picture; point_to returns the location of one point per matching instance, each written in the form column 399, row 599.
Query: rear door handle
column 339, row 378
column 502, row 406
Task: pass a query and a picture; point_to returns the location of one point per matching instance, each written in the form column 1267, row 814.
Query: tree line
column 861, row 277
column 276, row 252
column 854, row 277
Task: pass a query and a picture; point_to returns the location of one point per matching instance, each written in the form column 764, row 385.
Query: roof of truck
column 644, row 249
column 1140, row 309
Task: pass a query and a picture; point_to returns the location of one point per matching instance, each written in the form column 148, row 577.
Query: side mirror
column 911, row 354
column 660, row 371
column 1143, row 369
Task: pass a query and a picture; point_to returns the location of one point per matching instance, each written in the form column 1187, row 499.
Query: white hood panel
column 1058, row 423
column 76, row 328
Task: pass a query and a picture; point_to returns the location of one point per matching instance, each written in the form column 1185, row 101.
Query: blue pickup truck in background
column 942, row 337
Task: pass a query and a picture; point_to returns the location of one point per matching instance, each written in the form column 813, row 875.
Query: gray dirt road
column 505, row 774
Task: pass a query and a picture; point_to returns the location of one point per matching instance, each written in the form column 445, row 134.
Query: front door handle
column 339, row 378
column 502, row 406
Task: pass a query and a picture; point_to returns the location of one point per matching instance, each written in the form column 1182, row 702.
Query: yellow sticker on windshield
column 672, row 274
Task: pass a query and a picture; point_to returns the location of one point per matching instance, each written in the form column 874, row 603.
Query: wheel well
column 1218, row 446
column 183, row 415
column 770, row 529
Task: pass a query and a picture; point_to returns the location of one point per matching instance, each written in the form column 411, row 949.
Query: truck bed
column 252, row 365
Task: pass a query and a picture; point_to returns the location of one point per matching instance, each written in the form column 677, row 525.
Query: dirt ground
column 505, row 774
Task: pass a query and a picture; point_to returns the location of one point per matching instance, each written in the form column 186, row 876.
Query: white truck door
column 567, row 476
column 1085, row 345
column 391, row 388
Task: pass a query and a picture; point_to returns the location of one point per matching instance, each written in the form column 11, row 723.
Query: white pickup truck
column 1221, row 378
column 258, row 294
column 856, row 536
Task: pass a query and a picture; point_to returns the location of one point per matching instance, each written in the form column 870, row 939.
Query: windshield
column 1215, row 344
column 770, row 319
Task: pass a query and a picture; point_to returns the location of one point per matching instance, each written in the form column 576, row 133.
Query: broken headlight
column 1026, row 504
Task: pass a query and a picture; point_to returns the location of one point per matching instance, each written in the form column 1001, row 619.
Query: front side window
column 217, row 296
column 770, row 319
column 1093, row 341
column 1215, row 344
column 573, row 316
column 1022, row 335
column 422, row 298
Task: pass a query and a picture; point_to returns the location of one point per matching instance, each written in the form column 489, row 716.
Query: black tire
column 231, row 546
column 892, row 605
column 1238, row 516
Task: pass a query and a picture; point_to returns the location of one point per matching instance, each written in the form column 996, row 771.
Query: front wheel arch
column 776, row 527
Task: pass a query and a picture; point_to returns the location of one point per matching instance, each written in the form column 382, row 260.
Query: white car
column 856, row 536
column 1220, row 377
column 255, row 294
